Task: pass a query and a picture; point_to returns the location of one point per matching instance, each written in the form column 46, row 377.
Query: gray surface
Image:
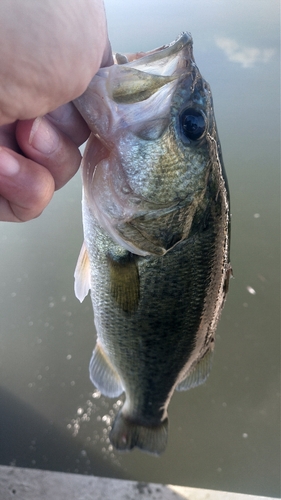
column 28, row 484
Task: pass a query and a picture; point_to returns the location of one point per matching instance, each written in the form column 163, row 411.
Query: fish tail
column 126, row 434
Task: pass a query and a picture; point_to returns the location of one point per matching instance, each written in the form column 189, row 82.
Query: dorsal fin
column 199, row 374
column 82, row 275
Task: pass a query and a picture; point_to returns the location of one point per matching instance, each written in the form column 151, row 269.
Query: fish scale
column 156, row 227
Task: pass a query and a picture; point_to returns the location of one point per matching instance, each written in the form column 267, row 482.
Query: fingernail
column 8, row 164
column 43, row 136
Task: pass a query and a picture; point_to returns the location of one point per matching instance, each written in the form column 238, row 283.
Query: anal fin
column 199, row 374
column 103, row 375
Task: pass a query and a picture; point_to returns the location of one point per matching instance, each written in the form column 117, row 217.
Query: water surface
column 225, row 434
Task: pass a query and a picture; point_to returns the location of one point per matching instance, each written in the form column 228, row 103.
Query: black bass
column 156, row 226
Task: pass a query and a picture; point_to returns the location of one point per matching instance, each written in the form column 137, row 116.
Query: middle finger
column 45, row 144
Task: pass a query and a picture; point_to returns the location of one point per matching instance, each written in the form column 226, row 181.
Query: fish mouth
column 149, row 61
column 138, row 77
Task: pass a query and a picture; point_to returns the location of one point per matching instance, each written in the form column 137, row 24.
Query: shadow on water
column 28, row 440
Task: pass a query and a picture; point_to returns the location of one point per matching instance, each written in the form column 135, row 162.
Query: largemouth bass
column 156, row 226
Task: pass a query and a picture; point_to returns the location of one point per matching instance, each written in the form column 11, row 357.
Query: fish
column 156, row 219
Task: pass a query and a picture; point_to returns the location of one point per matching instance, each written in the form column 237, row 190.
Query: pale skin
column 49, row 53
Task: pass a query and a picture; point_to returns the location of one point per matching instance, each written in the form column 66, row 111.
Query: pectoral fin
column 82, row 275
column 124, row 281
column 199, row 374
column 103, row 375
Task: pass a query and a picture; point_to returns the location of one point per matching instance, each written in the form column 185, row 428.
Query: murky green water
column 225, row 434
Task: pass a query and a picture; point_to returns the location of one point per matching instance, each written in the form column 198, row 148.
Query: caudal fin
column 126, row 434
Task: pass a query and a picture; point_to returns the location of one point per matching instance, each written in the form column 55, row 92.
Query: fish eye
column 192, row 123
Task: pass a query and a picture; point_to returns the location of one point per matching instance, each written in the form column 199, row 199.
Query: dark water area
column 225, row 434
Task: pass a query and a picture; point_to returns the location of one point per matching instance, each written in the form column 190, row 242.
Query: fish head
column 147, row 161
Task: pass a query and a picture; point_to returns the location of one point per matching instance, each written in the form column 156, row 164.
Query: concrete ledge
column 32, row 484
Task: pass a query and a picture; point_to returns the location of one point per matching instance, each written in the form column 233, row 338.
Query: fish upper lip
column 174, row 47
column 178, row 51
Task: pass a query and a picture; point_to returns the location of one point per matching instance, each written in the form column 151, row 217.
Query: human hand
column 49, row 53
